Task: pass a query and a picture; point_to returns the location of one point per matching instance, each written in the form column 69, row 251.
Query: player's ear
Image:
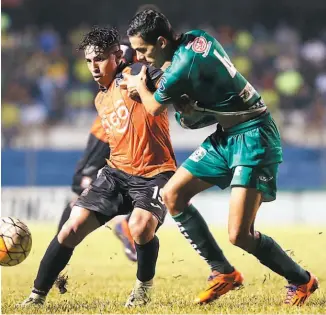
column 162, row 41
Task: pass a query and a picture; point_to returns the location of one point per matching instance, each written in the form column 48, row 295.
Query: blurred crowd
column 45, row 82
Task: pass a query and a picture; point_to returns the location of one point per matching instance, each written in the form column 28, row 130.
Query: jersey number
column 157, row 195
column 227, row 63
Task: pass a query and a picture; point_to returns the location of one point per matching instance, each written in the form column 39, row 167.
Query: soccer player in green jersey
column 244, row 152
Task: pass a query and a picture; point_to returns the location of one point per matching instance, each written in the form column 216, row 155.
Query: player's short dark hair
column 150, row 24
column 101, row 38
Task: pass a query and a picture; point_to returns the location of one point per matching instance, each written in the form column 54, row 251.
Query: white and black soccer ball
column 15, row 241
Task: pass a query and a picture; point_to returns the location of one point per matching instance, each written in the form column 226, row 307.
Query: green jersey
column 202, row 70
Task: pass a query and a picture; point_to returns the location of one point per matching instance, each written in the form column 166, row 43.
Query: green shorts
column 246, row 155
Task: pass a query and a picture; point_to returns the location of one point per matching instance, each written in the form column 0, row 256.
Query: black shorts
column 115, row 192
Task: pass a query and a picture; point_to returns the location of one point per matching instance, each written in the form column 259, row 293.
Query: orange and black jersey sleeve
column 153, row 74
column 129, row 54
column 93, row 158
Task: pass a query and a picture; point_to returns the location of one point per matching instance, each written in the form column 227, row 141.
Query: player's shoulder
column 129, row 54
column 194, row 42
column 192, row 34
column 133, row 68
column 191, row 43
column 153, row 74
column 195, row 32
column 100, row 96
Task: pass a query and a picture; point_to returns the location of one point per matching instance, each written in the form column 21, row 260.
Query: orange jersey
column 98, row 131
column 140, row 143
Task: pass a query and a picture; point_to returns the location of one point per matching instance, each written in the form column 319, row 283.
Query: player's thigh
column 105, row 196
column 146, row 194
column 80, row 223
column 181, row 188
column 85, row 220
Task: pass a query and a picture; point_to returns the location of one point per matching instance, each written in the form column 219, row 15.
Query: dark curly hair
column 150, row 24
column 101, row 38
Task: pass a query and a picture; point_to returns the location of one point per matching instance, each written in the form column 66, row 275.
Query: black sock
column 274, row 257
column 55, row 259
column 65, row 216
column 146, row 259
column 194, row 228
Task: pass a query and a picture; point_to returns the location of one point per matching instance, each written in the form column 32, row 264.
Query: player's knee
column 240, row 238
column 170, row 197
column 142, row 228
column 68, row 235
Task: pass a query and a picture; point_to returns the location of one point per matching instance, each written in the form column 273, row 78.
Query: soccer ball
column 15, row 241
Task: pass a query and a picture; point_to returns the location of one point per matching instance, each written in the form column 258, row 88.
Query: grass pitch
column 101, row 277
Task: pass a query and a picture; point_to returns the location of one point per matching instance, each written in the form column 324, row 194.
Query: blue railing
column 301, row 169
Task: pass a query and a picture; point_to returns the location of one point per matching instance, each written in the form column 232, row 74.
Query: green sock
column 194, row 228
column 274, row 257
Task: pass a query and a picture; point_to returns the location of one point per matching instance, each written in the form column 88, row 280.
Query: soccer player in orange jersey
column 93, row 159
column 141, row 162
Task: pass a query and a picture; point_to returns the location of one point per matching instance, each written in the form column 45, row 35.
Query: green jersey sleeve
column 173, row 82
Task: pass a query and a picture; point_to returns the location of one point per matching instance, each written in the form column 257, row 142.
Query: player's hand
column 134, row 82
column 127, row 84
column 184, row 105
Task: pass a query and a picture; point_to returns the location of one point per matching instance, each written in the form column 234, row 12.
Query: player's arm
column 93, row 159
column 142, row 82
column 148, row 99
column 168, row 91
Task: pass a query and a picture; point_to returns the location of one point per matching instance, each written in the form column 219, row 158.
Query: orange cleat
column 219, row 284
column 297, row 294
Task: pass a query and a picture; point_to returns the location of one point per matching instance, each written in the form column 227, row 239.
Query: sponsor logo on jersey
column 161, row 89
column 265, row 179
column 117, row 120
column 200, row 46
column 161, row 86
column 248, row 92
column 198, row 154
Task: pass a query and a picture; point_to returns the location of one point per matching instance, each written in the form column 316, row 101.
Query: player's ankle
column 148, row 283
column 40, row 293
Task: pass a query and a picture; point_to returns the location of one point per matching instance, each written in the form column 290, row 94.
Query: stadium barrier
column 301, row 169
column 296, row 208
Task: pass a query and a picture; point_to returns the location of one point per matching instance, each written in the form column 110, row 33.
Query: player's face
column 103, row 65
column 148, row 53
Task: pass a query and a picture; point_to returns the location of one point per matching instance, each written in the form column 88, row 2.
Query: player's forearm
column 151, row 105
